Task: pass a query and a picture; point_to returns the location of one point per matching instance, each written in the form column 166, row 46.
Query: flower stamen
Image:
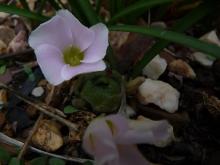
column 72, row 55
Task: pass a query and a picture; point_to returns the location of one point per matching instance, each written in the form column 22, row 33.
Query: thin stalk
column 22, row 12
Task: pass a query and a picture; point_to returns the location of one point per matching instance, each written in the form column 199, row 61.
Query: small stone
column 155, row 68
column 203, row 59
column 180, row 67
column 211, row 37
column 4, row 15
column 38, row 91
column 18, row 43
column 48, row 136
column 159, row 93
column 3, row 47
column 6, row 34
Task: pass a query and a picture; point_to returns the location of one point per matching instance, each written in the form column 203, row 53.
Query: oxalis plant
column 75, row 42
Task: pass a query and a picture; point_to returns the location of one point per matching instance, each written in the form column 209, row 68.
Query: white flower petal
column 98, row 49
column 51, row 63
column 68, row 71
column 82, row 36
column 53, row 32
column 98, row 141
column 144, row 130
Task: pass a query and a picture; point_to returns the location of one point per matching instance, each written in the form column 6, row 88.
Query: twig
column 36, row 125
column 23, row 53
column 27, row 141
column 41, row 108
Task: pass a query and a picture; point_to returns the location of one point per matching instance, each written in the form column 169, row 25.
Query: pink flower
column 65, row 48
column 111, row 140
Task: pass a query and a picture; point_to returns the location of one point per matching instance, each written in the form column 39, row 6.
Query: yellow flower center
column 72, row 55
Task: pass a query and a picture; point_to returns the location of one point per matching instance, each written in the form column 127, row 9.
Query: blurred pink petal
column 97, row 50
column 98, row 134
column 51, row 32
column 68, row 72
column 111, row 140
column 51, row 63
column 82, row 36
column 143, row 130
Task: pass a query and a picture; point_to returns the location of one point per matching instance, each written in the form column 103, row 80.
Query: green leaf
column 15, row 161
column 143, row 5
column 40, row 160
column 29, row 72
column 22, row 12
column 4, row 155
column 179, row 26
column 89, row 12
column 98, row 6
column 113, row 7
column 3, row 69
column 70, row 109
column 179, row 38
column 56, row 161
column 102, row 91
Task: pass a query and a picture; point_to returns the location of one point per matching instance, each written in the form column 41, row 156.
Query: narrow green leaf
column 22, row 12
column 137, row 7
column 113, row 7
column 2, row 69
column 89, row 12
column 39, row 161
column 119, row 4
column 15, row 161
column 179, row 38
column 76, row 10
column 179, row 26
column 70, row 109
column 56, row 161
column 4, row 155
column 98, row 6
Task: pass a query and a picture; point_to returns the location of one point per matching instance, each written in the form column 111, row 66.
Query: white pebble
column 159, row 93
column 211, row 37
column 203, row 59
column 38, row 91
column 155, row 68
